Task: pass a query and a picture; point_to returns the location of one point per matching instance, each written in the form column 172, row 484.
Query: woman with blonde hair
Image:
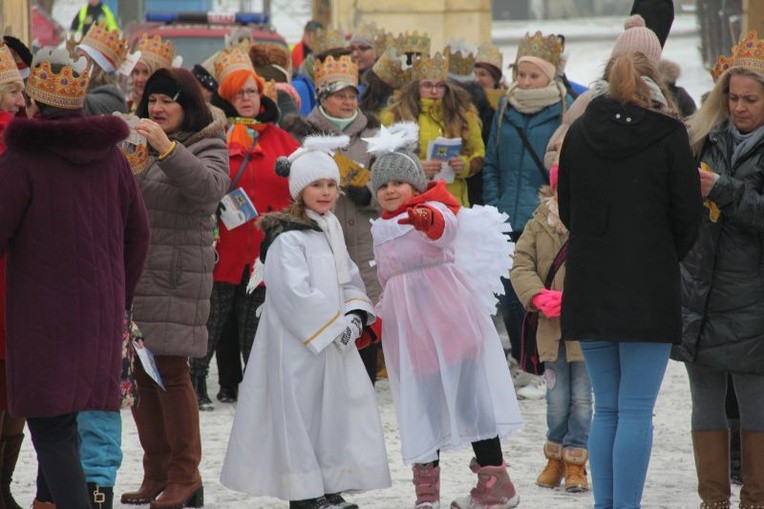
column 442, row 110
column 722, row 294
column 629, row 194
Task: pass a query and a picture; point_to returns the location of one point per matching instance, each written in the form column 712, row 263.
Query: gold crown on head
column 548, row 48
column 230, row 60
column 110, row 43
column 748, row 54
column 489, row 54
column 374, row 35
column 327, row 39
column 60, row 89
column 414, row 43
column 9, row 71
column 156, row 52
column 431, row 68
column 342, row 70
column 391, row 67
column 461, row 58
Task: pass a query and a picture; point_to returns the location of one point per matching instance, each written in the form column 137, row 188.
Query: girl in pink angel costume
column 440, row 265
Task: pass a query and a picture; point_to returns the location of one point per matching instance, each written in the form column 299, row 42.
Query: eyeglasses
column 433, row 86
column 359, row 48
column 241, row 94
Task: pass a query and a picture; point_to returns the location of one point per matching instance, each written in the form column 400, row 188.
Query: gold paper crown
column 9, row 71
column 461, row 58
column 332, row 71
column 137, row 156
column 230, row 60
column 547, row 48
column 156, row 52
column 110, row 43
column 748, row 53
column 327, row 39
column 414, row 43
column 391, row 68
column 373, row 34
column 435, row 68
column 63, row 89
column 489, row 54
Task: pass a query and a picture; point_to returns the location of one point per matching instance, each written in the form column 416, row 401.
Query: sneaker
column 339, row 503
column 310, row 503
column 228, row 394
column 536, row 389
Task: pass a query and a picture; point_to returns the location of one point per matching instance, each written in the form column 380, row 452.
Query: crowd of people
column 309, row 219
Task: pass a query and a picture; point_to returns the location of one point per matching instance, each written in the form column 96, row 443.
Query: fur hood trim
column 72, row 136
column 550, row 209
column 669, row 71
column 276, row 223
column 314, row 123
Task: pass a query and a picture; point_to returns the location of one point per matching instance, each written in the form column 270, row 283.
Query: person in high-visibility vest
column 95, row 10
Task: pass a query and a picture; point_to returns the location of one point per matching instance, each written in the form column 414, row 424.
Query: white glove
column 352, row 331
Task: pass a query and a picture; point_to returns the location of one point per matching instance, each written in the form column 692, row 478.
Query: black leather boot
column 100, row 497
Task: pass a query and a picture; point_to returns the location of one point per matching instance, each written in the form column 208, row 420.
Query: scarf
column 744, row 143
column 339, row 123
column 330, row 225
column 602, row 87
column 533, row 100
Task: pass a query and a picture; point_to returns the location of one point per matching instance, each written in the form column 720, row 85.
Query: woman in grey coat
column 186, row 175
column 723, row 280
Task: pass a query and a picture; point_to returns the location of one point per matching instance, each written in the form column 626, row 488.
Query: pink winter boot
column 494, row 490
column 427, row 486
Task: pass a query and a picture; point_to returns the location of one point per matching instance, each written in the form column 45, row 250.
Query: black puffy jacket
column 723, row 275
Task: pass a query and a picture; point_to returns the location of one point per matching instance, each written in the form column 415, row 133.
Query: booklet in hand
column 148, row 362
column 444, row 148
column 236, row 209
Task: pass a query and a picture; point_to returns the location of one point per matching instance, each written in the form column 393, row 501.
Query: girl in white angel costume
column 307, row 424
column 439, row 266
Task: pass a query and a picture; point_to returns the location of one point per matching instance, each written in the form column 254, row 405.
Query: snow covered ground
column 671, row 477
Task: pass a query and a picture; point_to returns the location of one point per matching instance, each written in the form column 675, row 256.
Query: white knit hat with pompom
column 313, row 161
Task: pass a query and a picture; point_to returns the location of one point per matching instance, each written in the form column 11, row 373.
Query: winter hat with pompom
column 637, row 37
column 313, row 161
column 395, row 160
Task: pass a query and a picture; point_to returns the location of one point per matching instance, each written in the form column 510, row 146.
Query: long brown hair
column 456, row 106
column 624, row 73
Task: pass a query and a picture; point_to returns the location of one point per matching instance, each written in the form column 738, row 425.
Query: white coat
column 307, row 421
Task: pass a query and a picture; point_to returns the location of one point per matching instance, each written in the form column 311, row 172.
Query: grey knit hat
column 402, row 165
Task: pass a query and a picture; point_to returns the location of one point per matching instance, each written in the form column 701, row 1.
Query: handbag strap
column 244, row 163
column 556, row 264
column 534, row 156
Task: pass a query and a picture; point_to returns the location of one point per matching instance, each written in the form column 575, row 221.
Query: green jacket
column 87, row 16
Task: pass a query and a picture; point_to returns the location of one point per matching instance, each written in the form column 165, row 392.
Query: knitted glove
column 360, row 195
column 352, row 331
column 549, row 302
column 425, row 219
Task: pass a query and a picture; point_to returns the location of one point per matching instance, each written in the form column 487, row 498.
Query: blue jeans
column 100, row 446
column 568, row 401
column 626, row 378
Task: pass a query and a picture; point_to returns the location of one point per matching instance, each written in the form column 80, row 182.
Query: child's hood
column 276, row 223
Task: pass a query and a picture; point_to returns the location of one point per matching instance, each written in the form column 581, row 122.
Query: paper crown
column 342, row 70
column 747, row 54
column 110, row 46
column 376, row 36
column 435, row 68
column 414, row 43
column 9, row 71
column 461, row 59
column 391, row 68
column 547, row 48
column 489, row 54
column 230, row 60
column 328, row 39
column 156, row 52
column 62, row 89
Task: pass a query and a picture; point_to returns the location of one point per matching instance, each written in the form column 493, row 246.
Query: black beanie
column 162, row 83
column 204, row 78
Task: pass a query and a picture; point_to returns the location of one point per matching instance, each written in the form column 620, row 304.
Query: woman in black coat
column 630, row 196
column 723, row 280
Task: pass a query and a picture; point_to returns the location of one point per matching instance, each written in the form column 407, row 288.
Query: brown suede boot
column 712, row 463
column 180, row 412
column 752, row 464
column 575, row 469
column 149, row 421
column 552, row 474
column 36, row 504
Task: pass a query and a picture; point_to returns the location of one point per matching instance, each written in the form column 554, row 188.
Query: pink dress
column 447, row 370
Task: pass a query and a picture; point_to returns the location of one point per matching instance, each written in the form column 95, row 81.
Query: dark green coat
column 723, row 275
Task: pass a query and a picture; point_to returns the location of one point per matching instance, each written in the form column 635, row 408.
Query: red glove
column 549, row 302
column 425, row 219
